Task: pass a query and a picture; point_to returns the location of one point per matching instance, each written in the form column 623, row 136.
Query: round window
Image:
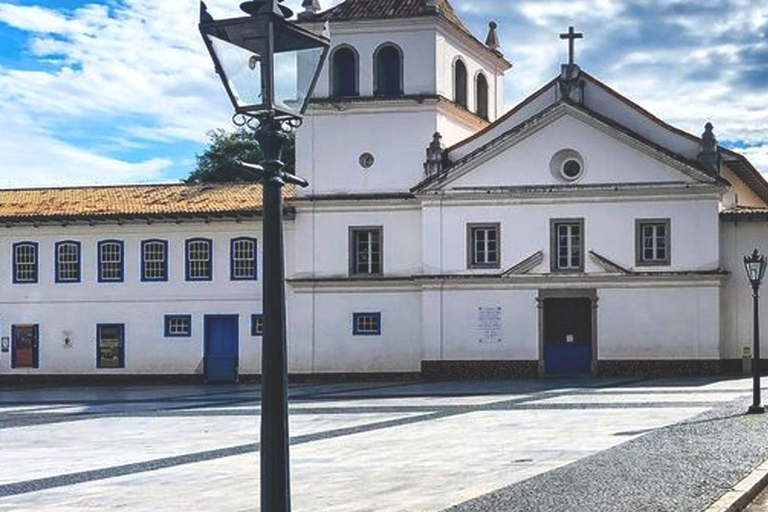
column 571, row 169
column 366, row 160
column 567, row 166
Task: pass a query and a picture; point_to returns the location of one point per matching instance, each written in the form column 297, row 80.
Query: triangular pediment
column 533, row 153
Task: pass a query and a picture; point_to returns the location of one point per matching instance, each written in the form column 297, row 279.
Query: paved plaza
column 578, row 444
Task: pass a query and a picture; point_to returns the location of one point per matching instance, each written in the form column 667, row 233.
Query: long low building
column 574, row 234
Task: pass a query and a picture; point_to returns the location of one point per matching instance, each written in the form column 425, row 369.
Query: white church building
column 576, row 233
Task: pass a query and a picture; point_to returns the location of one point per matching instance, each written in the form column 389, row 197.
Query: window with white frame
column 111, row 265
column 67, row 262
column 25, row 262
column 366, row 324
column 178, row 326
column 484, row 245
column 154, row 260
column 568, row 245
column 199, row 259
column 243, row 264
column 653, row 241
column 365, row 248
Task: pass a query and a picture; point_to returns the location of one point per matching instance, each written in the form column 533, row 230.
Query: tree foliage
column 217, row 163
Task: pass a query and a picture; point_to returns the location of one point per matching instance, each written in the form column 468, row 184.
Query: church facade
column 574, row 234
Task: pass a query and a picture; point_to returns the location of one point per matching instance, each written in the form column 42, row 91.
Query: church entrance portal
column 567, row 343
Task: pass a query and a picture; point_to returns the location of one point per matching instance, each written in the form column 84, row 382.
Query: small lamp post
column 755, row 266
column 269, row 67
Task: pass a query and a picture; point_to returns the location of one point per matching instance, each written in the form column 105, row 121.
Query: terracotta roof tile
column 131, row 200
column 375, row 9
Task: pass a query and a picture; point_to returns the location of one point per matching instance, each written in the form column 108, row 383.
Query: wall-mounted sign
column 5, row 344
column 489, row 325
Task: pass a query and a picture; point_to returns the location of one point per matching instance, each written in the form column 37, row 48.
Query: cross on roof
column 571, row 36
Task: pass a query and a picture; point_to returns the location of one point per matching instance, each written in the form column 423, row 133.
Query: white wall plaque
column 489, row 325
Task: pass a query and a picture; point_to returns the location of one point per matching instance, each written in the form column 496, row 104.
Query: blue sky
column 113, row 91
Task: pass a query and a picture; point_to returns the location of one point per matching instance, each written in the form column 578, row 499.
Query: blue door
column 567, row 336
column 221, row 348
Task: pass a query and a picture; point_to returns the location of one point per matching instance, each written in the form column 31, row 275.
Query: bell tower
column 393, row 78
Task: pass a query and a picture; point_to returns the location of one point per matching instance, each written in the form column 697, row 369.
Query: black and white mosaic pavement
column 565, row 445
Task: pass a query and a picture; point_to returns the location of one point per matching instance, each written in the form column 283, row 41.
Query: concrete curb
column 743, row 492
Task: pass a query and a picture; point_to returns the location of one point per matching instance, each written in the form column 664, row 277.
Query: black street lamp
column 269, row 67
column 755, row 266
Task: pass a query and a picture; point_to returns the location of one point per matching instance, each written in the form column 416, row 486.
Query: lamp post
column 755, row 266
column 269, row 67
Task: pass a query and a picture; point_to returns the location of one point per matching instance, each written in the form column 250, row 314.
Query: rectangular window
column 110, row 346
column 178, row 326
column 26, row 346
column 68, row 262
column 652, row 241
column 365, row 250
column 25, row 262
column 484, row 245
column 366, row 324
column 243, row 259
column 567, row 245
column 111, row 266
column 257, row 324
column 199, row 259
column 154, row 260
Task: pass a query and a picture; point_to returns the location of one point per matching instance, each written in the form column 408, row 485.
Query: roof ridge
column 128, row 185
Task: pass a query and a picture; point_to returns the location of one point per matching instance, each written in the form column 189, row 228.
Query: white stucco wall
column 322, row 238
column 609, row 230
column 461, row 334
column 74, row 309
column 606, row 159
column 329, row 148
column 659, row 323
column 739, row 239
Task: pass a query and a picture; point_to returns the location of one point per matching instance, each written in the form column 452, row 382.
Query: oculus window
column 365, row 251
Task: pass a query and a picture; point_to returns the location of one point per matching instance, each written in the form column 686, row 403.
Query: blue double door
column 221, row 348
column 568, row 336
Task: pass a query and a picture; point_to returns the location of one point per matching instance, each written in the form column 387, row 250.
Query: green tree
column 217, row 163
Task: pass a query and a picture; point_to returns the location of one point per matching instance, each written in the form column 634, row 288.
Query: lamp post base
column 756, row 409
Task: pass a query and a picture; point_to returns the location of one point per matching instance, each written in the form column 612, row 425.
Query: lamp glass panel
column 294, row 73
column 242, row 71
column 753, row 271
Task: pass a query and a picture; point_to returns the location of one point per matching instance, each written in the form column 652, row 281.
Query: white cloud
column 140, row 66
column 34, row 157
